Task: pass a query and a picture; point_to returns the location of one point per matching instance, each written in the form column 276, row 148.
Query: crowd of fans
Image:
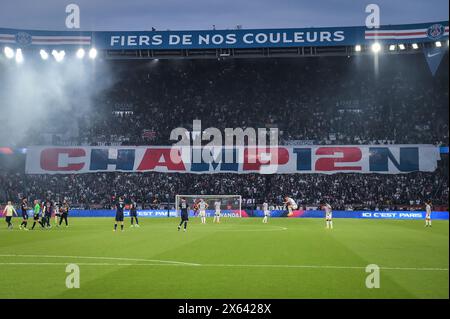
column 158, row 190
column 319, row 100
column 326, row 100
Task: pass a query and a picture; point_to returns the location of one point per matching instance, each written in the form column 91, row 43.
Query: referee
column 184, row 214
column 36, row 213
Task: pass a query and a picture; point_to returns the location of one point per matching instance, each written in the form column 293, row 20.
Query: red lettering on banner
column 349, row 155
column 50, row 159
column 253, row 159
column 153, row 156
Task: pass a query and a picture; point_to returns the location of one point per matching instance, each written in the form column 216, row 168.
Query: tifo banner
column 273, row 213
column 215, row 39
column 385, row 159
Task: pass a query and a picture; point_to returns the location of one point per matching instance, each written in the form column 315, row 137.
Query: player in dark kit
column 48, row 213
column 24, row 208
column 184, row 214
column 133, row 213
column 64, row 212
column 119, row 213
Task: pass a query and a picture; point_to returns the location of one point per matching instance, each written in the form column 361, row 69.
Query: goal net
column 230, row 205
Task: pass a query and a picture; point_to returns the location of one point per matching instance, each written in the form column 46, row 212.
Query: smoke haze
column 41, row 93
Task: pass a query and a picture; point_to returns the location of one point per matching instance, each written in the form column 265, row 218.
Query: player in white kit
column 266, row 212
column 202, row 206
column 217, row 212
column 328, row 215
column 428, row 214
column 290, row 204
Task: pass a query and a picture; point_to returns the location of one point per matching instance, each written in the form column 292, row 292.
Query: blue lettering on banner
column 380, row 156
column 224, row 166
column 100, row 159
column 303, row 158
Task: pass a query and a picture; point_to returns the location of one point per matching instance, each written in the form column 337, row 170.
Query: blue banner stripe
column 251, row 38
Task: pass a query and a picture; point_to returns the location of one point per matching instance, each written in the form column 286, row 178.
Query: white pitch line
column 86, row 264
column 222, row 265
column 104, row 258
column 225, row 229
column 230, row 229
column 323, row 267
column 252, row 230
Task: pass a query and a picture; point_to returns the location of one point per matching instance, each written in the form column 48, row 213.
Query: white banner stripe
column 380, row 37
column 61, row 42
column 410, row 37
column 396, row 34
column 61, row 37
column 396, row 31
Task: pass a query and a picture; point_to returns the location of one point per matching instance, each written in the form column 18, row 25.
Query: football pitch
column 238, row 258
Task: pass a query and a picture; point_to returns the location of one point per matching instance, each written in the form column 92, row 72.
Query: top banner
column 383, row 159
column 227, row 39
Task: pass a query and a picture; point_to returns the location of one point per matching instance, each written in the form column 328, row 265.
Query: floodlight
column 80, row 53
column 19, row 56
column 93, row 53
column 44, row 54
column 376, row 47
column 9, row 53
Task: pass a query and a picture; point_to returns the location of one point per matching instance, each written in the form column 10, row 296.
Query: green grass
column 240, row 258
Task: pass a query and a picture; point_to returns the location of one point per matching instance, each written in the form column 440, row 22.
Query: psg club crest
column 435, row 31
column 23, row 38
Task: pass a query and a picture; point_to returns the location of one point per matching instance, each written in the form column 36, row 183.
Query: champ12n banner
column 384, row 159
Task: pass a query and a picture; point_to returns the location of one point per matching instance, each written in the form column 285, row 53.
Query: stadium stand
column 332, row 100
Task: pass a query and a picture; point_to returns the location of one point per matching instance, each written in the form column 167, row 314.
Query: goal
column 230, row 205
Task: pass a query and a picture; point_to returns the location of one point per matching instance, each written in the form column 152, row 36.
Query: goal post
column 228, row 203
